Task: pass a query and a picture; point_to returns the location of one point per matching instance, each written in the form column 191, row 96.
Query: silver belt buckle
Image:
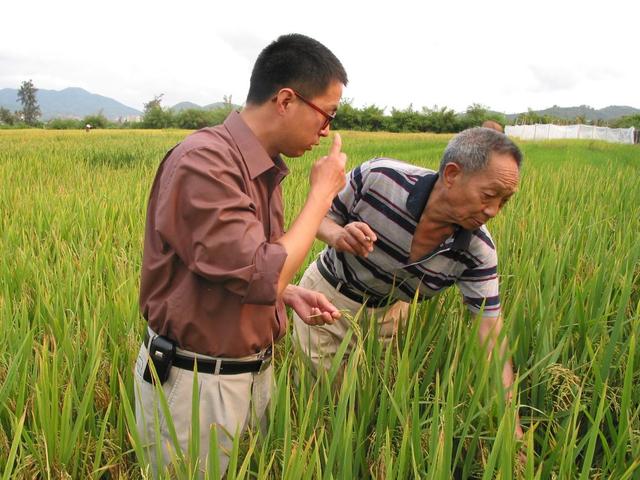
column 265, row 358
column 265, row 364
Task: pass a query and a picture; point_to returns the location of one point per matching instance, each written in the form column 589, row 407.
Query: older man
column 397, row 229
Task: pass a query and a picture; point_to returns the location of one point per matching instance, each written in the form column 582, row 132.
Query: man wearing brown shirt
column 217, row 262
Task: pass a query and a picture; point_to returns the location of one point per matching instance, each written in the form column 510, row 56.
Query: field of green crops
column 72, row 210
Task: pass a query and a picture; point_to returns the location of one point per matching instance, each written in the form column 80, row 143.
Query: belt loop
column 339, row 285
column 149, row 337
column 216, row 371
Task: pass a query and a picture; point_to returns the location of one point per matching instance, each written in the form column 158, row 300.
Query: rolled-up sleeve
column 480, row 287
column 206, row 215
column 263, row 285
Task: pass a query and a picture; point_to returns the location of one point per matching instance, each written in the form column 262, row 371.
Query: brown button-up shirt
column 210, row 266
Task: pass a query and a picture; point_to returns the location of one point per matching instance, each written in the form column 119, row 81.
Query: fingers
column 319, row 317
column 342, row 245
column 360, row 238
column 362, row 232
column 325, row 305
column 336, row 145
column 369, row 234
column 336, row 151
column 324, row 313
column 360, row 247
column 327, row 174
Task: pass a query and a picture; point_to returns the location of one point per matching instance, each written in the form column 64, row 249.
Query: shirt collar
column 417, row 200
column 419, row 194
column 253, row 153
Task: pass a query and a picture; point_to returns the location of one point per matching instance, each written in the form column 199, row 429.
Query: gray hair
column 472, row 148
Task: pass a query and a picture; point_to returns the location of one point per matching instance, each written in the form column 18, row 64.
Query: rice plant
column 429, row 405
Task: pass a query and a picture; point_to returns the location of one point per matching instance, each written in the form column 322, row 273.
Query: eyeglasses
column 328, row 118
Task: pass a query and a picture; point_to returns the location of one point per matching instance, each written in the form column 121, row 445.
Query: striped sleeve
column 480, row 285
column 343, row 204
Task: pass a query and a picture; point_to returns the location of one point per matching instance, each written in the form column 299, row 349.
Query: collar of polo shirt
column 417, row 200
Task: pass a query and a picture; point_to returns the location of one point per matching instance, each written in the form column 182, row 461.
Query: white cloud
column 506, row 55
column 553, row 78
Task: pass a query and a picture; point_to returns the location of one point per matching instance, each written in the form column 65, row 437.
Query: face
column 477, row 197
column 304, row 125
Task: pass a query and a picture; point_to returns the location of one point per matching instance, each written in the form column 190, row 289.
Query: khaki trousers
column 320, row 343
column 228, row 403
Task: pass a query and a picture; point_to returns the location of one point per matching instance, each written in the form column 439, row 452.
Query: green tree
column 194, row 118
column 218, row 115
column 372, row 119
column 531, row 117
column 441, row 120
column 347, row 116
column 155, row 116
column 30, row 108
column 475, row 115
column 6, row 117
column 407, row 120
column 64, row 124
column 96, row 121
column 627, row 121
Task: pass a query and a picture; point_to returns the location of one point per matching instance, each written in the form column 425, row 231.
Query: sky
column 506, row 55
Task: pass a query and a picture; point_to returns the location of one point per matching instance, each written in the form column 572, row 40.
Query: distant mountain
column 190, row 105
column 616, row 111
column 78, row 103
column 178, row 107
column 214, row 105
column 606, row 113
column 70, row 103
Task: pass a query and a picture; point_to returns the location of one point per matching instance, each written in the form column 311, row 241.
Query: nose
column 492, row 209
column 325, row 131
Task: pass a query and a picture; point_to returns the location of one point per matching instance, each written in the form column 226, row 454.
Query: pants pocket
column 148, row 401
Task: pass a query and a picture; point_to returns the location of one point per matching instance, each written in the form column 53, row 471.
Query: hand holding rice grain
column 356, row 238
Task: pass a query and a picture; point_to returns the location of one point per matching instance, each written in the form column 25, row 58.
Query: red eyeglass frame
column 328, row 118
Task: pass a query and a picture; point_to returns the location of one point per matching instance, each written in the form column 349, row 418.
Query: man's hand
column 327, row 174
column 356, row 238
column 327, row 179
column 519, row 433
column 312, row 307
column 488, row 335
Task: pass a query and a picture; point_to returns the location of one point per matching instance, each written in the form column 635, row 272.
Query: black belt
column 374, row 302
column 218, row 366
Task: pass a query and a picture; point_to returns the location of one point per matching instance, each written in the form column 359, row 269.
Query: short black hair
column 295, row 61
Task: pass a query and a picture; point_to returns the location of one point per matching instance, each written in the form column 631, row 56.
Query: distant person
column 397, row 230
column 87, row 127
column 494, row 125
column 217, row 262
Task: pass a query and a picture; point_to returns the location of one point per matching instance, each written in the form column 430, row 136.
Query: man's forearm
column 489, row 334
column 328, row 231
column 299, row 238
column 507, row 377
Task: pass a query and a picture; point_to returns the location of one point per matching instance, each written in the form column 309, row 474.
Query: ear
column 283, row 99
column 452, row 173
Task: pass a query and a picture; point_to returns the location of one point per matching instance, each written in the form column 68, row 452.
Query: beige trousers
column 228, row 403
column 320, row 343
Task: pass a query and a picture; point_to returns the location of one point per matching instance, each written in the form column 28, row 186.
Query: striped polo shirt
column 390, row 196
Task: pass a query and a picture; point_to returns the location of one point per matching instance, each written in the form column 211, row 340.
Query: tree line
column 370, row 118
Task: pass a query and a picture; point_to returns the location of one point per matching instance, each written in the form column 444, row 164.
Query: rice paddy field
column 72, row 209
